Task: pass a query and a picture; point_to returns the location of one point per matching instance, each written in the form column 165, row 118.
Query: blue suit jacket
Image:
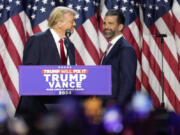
column 123, row 60
column 40, row 49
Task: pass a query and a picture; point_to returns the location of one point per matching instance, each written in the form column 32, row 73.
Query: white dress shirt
column 113, row 42
column 57, row 39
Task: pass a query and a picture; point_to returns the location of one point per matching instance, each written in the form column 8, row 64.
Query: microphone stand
column 162, row 36
column 66, row 42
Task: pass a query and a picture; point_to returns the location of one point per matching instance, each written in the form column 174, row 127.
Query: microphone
column 161, row 35
column 68, row 33
column 67, row 41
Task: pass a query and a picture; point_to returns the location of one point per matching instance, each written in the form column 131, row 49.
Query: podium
column 64, row 80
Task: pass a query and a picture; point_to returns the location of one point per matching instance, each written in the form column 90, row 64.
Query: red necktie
column 62, row 53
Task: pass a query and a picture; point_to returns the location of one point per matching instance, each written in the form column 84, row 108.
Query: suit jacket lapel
column 71, row 56
column 113, row 51
column 70, row 51
column 51, row 42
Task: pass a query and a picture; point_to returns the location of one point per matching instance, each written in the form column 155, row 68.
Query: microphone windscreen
column 68, row 33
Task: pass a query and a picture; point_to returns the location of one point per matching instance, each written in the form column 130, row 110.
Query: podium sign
column 65, row 80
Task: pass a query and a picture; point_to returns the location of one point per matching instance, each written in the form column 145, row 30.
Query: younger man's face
column 111, row 28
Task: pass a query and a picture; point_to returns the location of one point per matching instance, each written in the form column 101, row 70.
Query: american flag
column 19, row 19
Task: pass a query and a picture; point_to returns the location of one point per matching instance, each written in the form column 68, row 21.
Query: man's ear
column 120, row 27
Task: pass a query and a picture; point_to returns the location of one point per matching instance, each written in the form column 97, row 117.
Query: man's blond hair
column 56, row 15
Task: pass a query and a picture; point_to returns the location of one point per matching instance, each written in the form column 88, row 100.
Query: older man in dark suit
column 48, row 48
column 121, row 56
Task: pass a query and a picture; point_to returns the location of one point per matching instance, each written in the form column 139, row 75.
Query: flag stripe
column 9, row 64
column 36, row 29
column 173, row 83
column 19, row 27
column 168, row 55
column 101, row 25
column 10, row 46
column 161, row 27
column 88, row 44
column 102, row 43
column 4, row 95
column 145, row 83
column 175, row 10
column 177, row 25
column 165, row 62
column 10, row 87
column 138, row 76
column 93, row 20
column 171, row 96
column 131, row 38
column 43, row 25
column 168, row 103
column 78, row 58
column 156, row 70
column 92, row 33
column 27, row 24
column 138, row 84
column 15, row 37
column 131, row 33
column 75, row 38
column 151, row 63
column 150, row 82
column 168, row 20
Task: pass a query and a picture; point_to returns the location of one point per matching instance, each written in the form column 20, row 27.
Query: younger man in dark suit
column 121, row 56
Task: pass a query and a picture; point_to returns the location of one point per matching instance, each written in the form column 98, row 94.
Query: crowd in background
column 91, row 118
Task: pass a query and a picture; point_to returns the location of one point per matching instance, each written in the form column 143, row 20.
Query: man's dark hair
column 120, row 16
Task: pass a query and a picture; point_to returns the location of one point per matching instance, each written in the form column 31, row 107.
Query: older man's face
column 68, row 22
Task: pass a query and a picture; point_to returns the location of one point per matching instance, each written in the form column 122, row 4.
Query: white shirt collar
column 116, row 39
column 55, row 36
column 113, row 42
